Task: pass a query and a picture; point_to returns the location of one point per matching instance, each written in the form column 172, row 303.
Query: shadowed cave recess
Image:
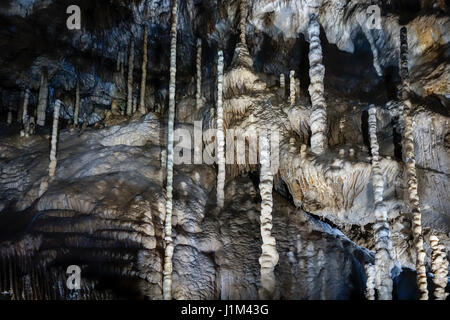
column 341, row 190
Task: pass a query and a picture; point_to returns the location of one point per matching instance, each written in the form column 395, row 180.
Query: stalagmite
column 408, row 147
column 303, row 151
column 53, row 161
column 134, row 108
column 292, row 87
column 167, row 272
column 220, row 135
column 318, row 119
column 130, row 79
column 439, row 266
column 383, row 243
column 198, row 97
column 243, row 21
column 9, row 118
column 282, row 85
column 370, row 282
column 351, row 153
column 297, row 89
column 142, row 108
column 77, row 104
column 269, row 255
column 42, row 100
column 292, row 147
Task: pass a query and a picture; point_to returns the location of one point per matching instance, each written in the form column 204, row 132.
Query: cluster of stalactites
column 381, row 228
column 410, row 162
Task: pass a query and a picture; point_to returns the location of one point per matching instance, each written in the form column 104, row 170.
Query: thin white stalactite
column 77, row 105
column 220, row 134
column 53, row 160
column 269, row 255
column 198, row 96
column 243, row 21
column 130, row 80
column 142, row 108
column 439, row 266
column 381, row 228
column 20, row 111
column 283, row 85
column 292, row 87
column 118, row 61
column 26, row 101
column 411, row 174
column 42, row 100
column 318, row 118
column 167, row 271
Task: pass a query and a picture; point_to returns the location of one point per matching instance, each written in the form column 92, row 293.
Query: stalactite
column 118, row 62
column 269, row 255
column 243, row 21
column 220, row 135
column 439, row 266
column 198, row 96
column 26, row 100
column 167, row 272
column 381, row 228
column 142, row 108
column 20, row 111
column 42, row 101
column 282, row 85
column 292, row 87
column 53, row 160
column 122, row 70
column 318, row 119
column 410, row 162
column 130, row 79
column 77, row 104
column 370, row 281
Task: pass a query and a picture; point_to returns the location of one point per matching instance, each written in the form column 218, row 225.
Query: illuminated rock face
column 120, row 206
